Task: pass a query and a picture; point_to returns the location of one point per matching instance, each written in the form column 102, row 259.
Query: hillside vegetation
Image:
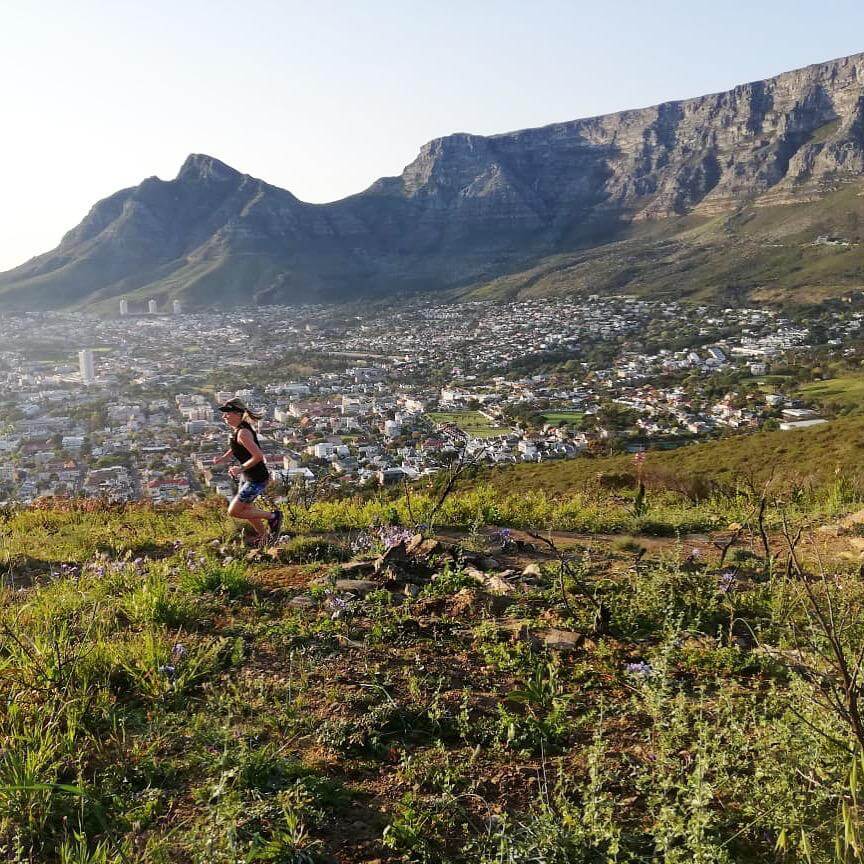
column 800, row 459
column 764, row 254
column 470, row 694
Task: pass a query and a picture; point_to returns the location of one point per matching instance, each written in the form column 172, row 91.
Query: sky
column 323, row 97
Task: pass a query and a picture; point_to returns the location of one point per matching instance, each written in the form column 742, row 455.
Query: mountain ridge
column 469, row 209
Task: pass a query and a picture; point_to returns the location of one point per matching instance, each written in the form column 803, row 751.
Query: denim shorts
column 249, row 490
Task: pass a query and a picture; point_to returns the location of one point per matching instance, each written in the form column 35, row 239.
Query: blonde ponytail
column 252, row 417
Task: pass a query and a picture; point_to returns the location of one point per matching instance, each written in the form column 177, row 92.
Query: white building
column 801, row 424
column 152, row 307
column 124, row 306
column 86, row 366
column 197, row 412
column 72, row 442
column 323, row 450
column 176, row 307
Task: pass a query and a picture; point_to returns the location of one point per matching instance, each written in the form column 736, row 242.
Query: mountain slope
column 471, row 209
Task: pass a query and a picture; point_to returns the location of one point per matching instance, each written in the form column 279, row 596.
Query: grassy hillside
column 837, row 394
column 807, row 458
column 754, row 254
column 172, row 697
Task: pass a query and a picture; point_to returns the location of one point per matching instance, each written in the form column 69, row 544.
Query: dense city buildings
column 362, row 396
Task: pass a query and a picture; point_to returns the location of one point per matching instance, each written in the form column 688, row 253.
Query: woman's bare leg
column 255, row 517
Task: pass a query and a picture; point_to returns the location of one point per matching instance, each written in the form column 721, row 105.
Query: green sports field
column 472, row 422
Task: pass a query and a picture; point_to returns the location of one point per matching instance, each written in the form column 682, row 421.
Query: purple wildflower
column 392, row 535
column 179, row 652
column 169, row 671
column 504, row 536
column 362, row 542
column 339, row 607
column 727, row 581
column 639, row 670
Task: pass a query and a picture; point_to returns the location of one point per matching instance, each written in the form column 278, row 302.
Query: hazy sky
column 324, row 97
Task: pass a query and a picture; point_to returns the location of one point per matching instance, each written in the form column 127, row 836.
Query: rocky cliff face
column 469, row 207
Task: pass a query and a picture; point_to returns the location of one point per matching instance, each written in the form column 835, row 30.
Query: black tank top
column 258, row 473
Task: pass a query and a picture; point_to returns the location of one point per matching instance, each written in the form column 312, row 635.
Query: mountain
column 723, row 195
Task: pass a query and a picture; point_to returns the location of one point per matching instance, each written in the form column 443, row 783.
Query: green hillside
column 171, row 696
column 807, row 458
column 754, row 254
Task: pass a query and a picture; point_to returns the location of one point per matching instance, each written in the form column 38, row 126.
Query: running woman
column 243, row 446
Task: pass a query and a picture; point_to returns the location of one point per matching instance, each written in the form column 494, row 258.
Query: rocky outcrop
column 468, row 207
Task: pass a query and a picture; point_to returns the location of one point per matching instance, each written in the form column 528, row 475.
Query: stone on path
column 302, row 601
column 560, row 640
column 356, row 586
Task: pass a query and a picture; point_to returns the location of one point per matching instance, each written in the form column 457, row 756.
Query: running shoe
column 274, row 523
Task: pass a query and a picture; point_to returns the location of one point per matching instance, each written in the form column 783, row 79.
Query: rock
column 411, row 590
column 423, row 548
column 490, row 563
column 490, row 581
column 851, row 522
column 497, row 584
column 393, row 555
column 362, row 587
column 414, row 544
column 473, row 601
column 302, row 601
column 532, row 571
column 560, row 640
column 356, row 567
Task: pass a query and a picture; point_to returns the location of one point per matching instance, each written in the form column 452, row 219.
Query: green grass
column 808, row 458
column 751, row 254
column 837, row 393
column 823, row 133
column 569, row 417
column 173, row 706
column 472, row 422
column 164, row 701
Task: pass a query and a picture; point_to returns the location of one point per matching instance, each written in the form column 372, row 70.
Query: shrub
column 306, row 550
column 227, row 579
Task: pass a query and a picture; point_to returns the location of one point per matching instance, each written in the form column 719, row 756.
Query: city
column 123, row 408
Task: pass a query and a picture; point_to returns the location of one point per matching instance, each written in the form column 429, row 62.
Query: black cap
column 233, row 406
